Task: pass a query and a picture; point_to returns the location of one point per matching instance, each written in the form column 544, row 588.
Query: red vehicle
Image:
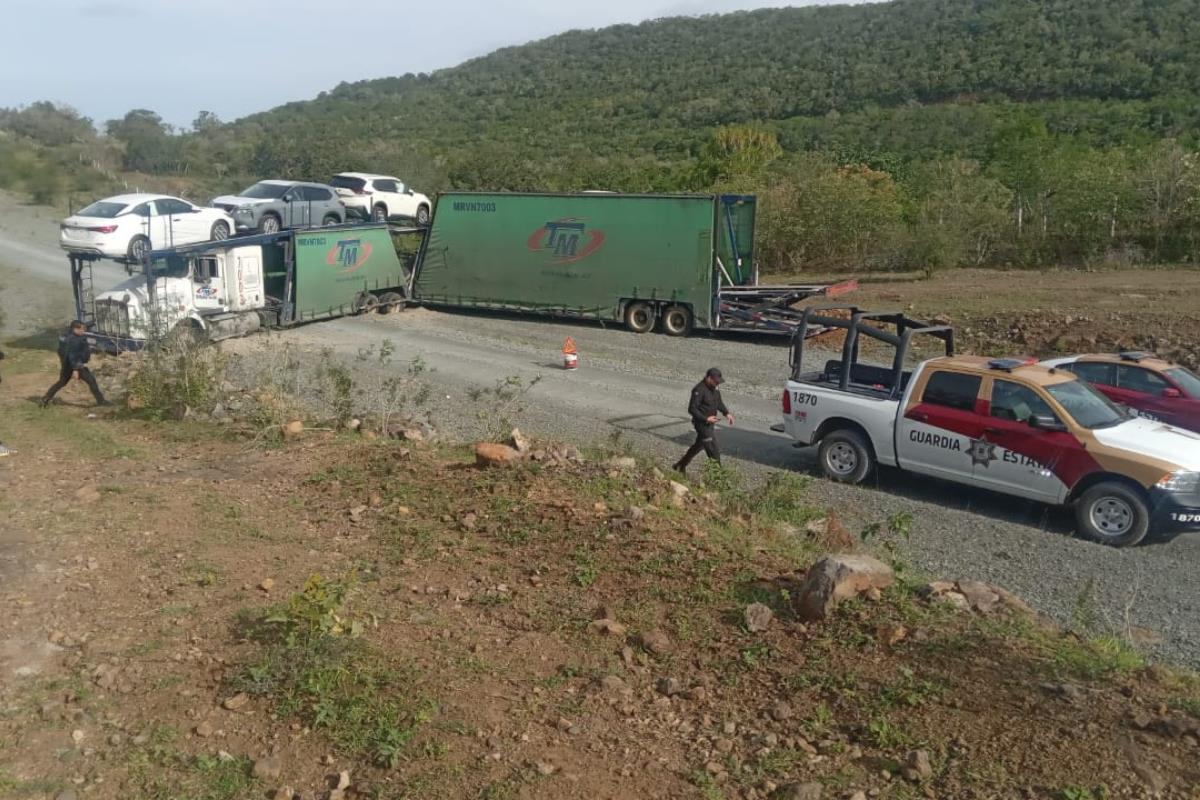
column 1148, row 385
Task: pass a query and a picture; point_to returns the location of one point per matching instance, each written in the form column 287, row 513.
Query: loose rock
column 657, row 642
column 836, row 578
column 917, row 767
column 518, row 441
column 237, row 701
column 489, row 454
column 268, row 768
column 798, row 791
column 758, row 617
column 609, row 627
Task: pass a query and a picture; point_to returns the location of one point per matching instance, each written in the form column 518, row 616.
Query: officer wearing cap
column 705, row 405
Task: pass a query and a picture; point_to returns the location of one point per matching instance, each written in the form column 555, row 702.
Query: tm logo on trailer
column 349, row 254
column 566, row 240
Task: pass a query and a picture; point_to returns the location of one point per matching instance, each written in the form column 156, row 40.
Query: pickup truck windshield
column 1186, row 379
column 1087, row 406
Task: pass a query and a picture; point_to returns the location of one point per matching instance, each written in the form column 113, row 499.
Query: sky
column 237, row 57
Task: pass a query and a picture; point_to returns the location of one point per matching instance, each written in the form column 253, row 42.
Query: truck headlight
column 1181, row 482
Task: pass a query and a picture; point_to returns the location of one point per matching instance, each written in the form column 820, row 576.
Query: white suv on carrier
column 380, row 198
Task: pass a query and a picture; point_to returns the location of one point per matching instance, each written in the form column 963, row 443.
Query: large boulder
column 490, row 454
column 836, row 578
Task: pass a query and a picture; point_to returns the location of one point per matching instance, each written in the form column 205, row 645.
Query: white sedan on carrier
column 127, row 227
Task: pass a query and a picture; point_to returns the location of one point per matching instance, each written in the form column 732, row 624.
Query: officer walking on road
column 703, row 408
column 74, row 352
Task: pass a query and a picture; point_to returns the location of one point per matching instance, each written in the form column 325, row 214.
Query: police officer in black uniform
column 73, row 354
column 703, row 408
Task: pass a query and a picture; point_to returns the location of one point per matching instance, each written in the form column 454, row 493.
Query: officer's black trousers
column 706, row 440
column 64, row 377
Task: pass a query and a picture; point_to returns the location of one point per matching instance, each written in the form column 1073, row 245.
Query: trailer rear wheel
column 677, row 321
column 639, row 317
column 391, row 303
column 365, row 303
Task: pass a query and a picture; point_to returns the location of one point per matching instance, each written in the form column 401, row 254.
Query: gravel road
column 636, row 387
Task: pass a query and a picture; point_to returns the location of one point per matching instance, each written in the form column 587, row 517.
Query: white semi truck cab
column 231, row 287
column 1007, row 425
column 217, row 291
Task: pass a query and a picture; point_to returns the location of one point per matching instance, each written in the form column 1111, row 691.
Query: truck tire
column 639, row 317
column 677, row 320
column 846, row 457
column 422, row 216
column 269, row 224
column 365, row 303
column 379, row 213
column 1114, row 514
column 139, row 248
column 391, row 303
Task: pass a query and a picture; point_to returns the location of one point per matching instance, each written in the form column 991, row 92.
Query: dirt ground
column 1057, row 312
column 167, row 636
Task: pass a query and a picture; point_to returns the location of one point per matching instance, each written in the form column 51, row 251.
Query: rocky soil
column 196, row 610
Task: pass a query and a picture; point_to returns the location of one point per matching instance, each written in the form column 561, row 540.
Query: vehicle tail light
column 104, row 229
column 787, row 403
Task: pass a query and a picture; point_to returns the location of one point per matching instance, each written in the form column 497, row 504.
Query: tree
column 736, row 152
column 1169, row 186
column 959, row 216
column 149, row 145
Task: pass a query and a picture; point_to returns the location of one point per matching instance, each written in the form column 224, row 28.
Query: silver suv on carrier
column 271, row 206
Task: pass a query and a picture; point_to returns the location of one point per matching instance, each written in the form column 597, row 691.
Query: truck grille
column 112, row 318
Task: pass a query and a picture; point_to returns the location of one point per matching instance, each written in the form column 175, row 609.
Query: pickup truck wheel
column 269, row 224
column 846, row 457
column 1113, row 514
column 677, row 321
column 639, row 317
column 379, row 213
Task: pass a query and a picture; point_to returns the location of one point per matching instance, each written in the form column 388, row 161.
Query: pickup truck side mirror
column 1171, row 393
column 1044, row 422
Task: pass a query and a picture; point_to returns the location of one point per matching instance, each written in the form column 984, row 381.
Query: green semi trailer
column 235, row 286
column 679, row 262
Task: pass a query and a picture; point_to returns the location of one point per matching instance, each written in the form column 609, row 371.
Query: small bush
column 176, row 375
column 314, row 666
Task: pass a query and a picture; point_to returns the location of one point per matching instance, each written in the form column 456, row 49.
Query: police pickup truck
column 1008, row 425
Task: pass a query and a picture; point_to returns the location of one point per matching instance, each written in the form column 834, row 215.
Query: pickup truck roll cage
column 857, row 323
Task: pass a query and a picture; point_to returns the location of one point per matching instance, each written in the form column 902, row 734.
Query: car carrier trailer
column 236, row 286
column 678, row 262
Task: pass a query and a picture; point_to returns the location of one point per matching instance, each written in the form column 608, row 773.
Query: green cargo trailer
column 680, row 261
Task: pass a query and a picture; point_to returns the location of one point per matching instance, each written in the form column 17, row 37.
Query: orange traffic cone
column 570, row 354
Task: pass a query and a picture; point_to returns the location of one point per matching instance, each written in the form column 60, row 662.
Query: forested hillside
column 917, row 133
